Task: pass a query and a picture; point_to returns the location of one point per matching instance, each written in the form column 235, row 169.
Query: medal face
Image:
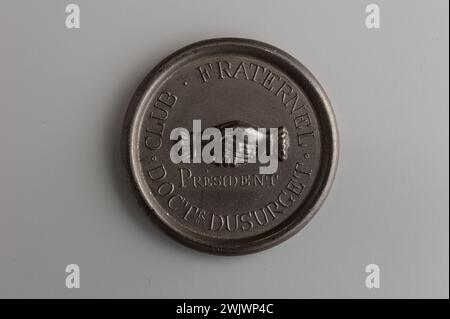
column 231, row 144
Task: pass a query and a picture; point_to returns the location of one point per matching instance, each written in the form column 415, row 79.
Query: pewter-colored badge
column 231, row 144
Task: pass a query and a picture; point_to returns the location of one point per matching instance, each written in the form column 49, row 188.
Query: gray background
column 63, row 192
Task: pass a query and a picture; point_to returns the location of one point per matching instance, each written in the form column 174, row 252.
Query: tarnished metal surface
column 243, row 84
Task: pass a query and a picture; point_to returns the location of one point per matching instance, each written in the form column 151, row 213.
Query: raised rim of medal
column 313, row 91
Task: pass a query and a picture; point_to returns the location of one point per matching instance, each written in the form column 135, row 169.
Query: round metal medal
column 232, row 145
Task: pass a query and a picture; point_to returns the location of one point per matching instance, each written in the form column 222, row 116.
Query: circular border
column 321, row 106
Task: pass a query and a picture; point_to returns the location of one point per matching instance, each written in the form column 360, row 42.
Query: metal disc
column 231, row 208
